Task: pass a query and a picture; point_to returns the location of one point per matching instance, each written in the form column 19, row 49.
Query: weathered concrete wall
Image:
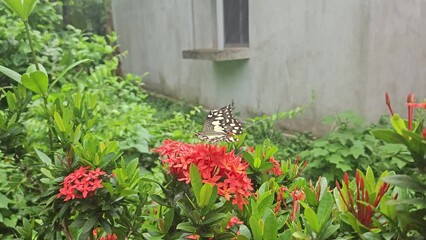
column 347, row 53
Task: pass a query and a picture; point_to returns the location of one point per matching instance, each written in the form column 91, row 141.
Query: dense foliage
column 87, row 154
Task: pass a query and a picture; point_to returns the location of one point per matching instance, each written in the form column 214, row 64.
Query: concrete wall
column 347, row 53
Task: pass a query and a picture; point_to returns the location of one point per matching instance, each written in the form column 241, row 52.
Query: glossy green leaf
column 17, row 7
column 132, row 166
column 196, row 181
column 311, row 217
column 89, row 224
column 388, row 135
column 248, row 158
column 11, row 74
column 213, row 197
column 256, row 226
column 213, row 218
column 205, row 194
column 398, row 123
column 265, row 202
column 77, row 133
column 47, row 173
column 11, row 100
column 59, row 122
column 168, row 219
column 187, row 227
column 405, row 181
column 300, row 235
column 324, row 208
column 43, row 157
column 36, row 81
column 156, row 198
column 29, row 6
column 271, row 226
column 370, row 180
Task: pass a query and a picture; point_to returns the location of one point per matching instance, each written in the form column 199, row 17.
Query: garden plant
column 84, row 155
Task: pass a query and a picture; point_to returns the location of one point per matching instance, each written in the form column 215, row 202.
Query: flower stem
column 50, row 130
column 27, row 29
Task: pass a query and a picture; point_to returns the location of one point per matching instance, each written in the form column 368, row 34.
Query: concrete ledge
column 212, row 54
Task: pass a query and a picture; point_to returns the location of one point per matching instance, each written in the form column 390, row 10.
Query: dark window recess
column 236, row 23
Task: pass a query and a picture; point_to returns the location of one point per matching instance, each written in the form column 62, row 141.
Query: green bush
column 350, row 146
column 77, row 163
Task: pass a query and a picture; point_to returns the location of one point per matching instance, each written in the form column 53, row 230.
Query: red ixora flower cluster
column 217, row 167
column 81, row 183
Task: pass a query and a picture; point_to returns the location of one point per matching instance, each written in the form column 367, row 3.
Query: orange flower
column 217, row 167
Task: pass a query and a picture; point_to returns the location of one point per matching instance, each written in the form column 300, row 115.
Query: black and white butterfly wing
column 220, row 125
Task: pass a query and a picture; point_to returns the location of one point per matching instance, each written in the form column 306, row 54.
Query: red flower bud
column 410, row 98
column 389, row 104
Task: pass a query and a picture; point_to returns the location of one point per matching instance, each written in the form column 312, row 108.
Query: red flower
column 217, row 167
column 424, row 133
column 193, row 236
column 81, row 183
column 280, row 198
column 298, row 195
column 109, row 237
column 276, row 169
column 233, row 221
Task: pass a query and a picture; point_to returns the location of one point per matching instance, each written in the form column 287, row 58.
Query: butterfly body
column 220, row 125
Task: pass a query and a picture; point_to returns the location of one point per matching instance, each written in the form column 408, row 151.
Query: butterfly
column 220, row 126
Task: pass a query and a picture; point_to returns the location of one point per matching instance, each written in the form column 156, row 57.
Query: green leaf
column 405, row 181
column 324, row 208
column 156, row 198
column 23, row 8
column 11, row 100
column 29, row 6
column 36, row 81
column 398, row 123
column 196, row 181
column 330, row 231
column 187, row 227
column 256, row 226
column 387, row 135
column 132, row 167
column 77, row 133
column 59, row 122
column 11, row 74
column 43, row 157
column 248, row 158
column 205, row 194
column 265, row 202
column 17, row 7
column 168, row 219
column 311, row 217
column 62, row 74
column 300, row 235
column 271, row 226
column 89, row 224
column 47, row 173
column 4, row 201
column 213, row 218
